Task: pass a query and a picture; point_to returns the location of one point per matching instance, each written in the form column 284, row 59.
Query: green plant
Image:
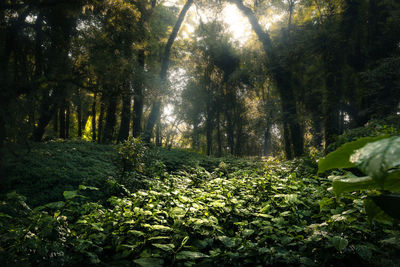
column 379, row 159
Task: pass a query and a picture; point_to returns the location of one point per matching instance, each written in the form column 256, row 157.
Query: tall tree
column 156, row 108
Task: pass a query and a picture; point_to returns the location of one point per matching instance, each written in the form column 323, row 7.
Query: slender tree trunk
column 101, row 118
column 239, row 137
column 48, row 107
column 125, row 116
column 283, row 79
column 267, row 142
column 62, row 119
column 138, row 96
column 332, row 93
column 219, row 138
column 111, row 119
column 79, row 113
column 286, row 139
column 230, row 132
column 156, row 109
column 195, row 136
column 67, row 119
column 94, row 118
column 209, row 129
column 158, row 134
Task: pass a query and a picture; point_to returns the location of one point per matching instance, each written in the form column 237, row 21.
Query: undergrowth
column 189, row 210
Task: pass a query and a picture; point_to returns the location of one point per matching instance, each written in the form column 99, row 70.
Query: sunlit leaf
column 340, row 158
column 150, row 262
column 165, row 247
column 342, row 184
column 190, row 255
column 377, row 159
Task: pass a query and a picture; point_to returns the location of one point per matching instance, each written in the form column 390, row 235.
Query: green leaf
column 86, row 187
column 165, row 247
column 159, row 238
column 343, row 184
column 339, row 243
column 340, row 158
column 70, row 194
column 248, row 232
column 150, row 262
column 55, row 205
column 389, row 203
column 379, row 159
column 190, row 255
column 184, row 241
column 364, row 252
column 161, row 227
column 227, row 241
column 5, row 215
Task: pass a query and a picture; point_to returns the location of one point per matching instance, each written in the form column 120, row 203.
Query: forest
column 199, row 132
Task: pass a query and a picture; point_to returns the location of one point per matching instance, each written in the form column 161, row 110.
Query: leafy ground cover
column 193, row 211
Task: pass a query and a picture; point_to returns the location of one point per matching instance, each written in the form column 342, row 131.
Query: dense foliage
column 197, row 210
column 155, row 86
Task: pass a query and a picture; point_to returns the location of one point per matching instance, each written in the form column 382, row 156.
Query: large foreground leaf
column 349, row 184
column 340, row 158
column 380, row 159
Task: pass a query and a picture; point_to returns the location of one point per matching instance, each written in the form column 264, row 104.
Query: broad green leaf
column 227, row 241
column 161, row 227
column 340, row 158
column 159, row 238
column 165, row 247
column 70, row 194
column 378, row 158
column 248, row 232
column 190, row 255
column 85, row 187
column 135, row 232
column 55, row 205
column 342, row 184
column 150, row 262
column 339, row 243
column 389, row 203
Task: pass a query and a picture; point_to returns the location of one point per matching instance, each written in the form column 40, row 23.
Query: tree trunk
column 219, row 138
column 155, row 112
column 125, row 116
column 283, row 79
column 239, row 137
column 138, row 96
column 158, row 134
column 79, row 113
column 209, row 130
column 332, row 92
column 48, row 107
column 62, row 119
column 67, row 119
column 111, row 119
column 94, row 118
column 230, row 132
column 101, row 118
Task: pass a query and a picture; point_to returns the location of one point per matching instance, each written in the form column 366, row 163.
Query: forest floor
column 65, row 203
